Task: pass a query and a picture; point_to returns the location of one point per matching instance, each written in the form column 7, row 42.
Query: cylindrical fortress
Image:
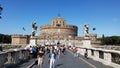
column 58, row 30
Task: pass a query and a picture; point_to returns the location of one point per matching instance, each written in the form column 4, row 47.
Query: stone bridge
column 108, row 58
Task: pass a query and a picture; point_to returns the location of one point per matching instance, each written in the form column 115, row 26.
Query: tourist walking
column 40, row 57
column 52, row 58
column 62, row 50
column 30, row 52
column 75, row 51
column 86, row 54
column 59, row 52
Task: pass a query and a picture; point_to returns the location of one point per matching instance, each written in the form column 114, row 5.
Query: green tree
column 5, row 38
column 113, row 40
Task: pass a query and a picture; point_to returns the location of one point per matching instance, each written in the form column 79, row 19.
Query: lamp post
column 0, row 11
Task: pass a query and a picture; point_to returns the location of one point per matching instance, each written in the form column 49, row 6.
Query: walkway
column 65, row 61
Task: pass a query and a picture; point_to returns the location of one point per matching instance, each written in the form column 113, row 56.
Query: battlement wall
column 20, row 39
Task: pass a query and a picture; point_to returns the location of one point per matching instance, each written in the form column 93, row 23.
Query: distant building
column 20, row 39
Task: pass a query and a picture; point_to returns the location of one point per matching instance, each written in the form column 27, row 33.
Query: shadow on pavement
column 58, row 65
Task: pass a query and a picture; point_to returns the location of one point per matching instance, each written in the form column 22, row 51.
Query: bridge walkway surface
column 66, row 60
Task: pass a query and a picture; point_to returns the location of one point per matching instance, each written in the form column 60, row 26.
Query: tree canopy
column 5, row 38
column 112, row 40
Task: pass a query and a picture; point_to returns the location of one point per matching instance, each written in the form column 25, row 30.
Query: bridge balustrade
column 115, row 58
column 13, row 56
column 101, row 54
column 107, row 57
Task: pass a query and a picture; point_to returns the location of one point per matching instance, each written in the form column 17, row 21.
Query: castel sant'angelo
column 58, row 30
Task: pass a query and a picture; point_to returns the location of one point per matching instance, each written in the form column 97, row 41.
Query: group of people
column 33, row 50
column 53, row 53
column 76, row 52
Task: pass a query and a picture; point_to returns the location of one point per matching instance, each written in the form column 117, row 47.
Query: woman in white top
column 52, row 58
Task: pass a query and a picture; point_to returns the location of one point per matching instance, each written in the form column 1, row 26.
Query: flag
column 94, row 29
column 23, row 28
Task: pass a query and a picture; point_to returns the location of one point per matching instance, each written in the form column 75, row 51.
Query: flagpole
column 23, row 31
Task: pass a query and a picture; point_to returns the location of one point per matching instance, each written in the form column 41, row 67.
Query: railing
column 115, row 58
column 108, row 57
column 13, row 56
column 101, row 54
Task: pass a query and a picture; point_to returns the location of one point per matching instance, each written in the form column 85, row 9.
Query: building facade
column 58, row 30
column 20, row 39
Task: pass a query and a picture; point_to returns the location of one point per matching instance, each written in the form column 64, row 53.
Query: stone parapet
column 12, row 56
column 107, row 57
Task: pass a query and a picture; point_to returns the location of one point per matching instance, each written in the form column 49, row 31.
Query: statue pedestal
column 33, row 41
column 86, row 42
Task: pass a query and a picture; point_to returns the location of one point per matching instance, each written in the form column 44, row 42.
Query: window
column 58, row 25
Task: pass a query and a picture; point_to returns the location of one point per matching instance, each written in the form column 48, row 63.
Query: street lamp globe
column 0, row 10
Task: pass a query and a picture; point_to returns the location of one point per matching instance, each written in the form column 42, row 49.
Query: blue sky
column 104, row 15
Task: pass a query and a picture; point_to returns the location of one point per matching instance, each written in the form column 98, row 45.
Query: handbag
column 49, row 61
